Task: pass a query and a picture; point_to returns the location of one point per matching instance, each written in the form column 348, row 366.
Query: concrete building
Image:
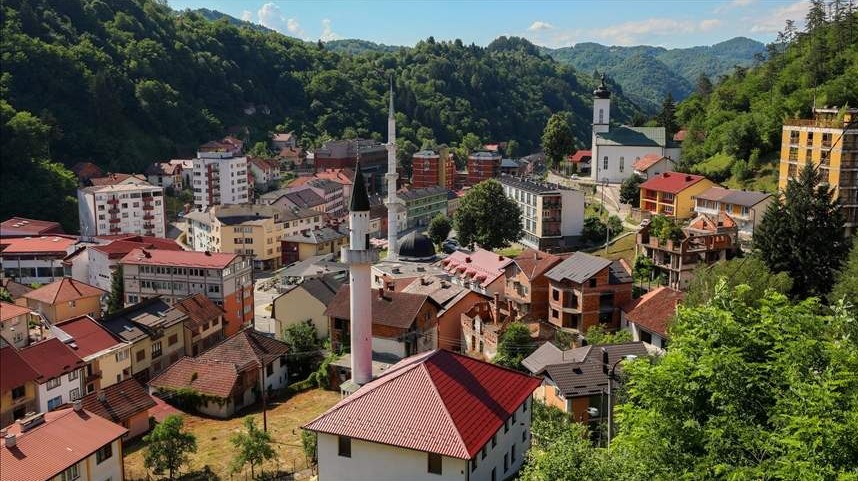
column 296, row 220
column 481, row 271
column 526, row 284
column 14, row 324
column 18, row 227
column 127, row 208
column 224, row 278
column 283, row 140
column 253, row 230
column 333, row 194
column 483, row 165
column 266, row 172
column 552, row 215
column 95, row 264
column 313, row 242
column 36, row 259
column 672, row 194
column 168, row 175
column 59, row 373
column 428, row 169
column 343, row 153
column 652, row 165
column 221, row 176
column 828, row 142
column 126, row 403
column 746, row 208
column 305, row 303
column 421, row 205
column 19, row 387
column 435, row 416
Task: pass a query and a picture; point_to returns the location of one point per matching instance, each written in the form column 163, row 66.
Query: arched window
column 622, row 163
column 601, row 116
column 605, row 163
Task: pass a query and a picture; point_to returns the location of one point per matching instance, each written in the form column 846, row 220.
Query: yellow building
column 825, row 142
column 18, row 386
column 64, row 299
column 316, row 242
column 250, row 229
column 672, row 194
column 107, row 357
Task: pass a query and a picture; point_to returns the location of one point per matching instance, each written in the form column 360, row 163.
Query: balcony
column 92, row 377
column 149, row 226
column 114, row 220
column 113, row 210
column 113, row 201
column 148, row 207
column 148, row 216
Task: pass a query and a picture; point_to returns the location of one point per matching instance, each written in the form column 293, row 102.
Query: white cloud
column 641, row 31
column 539, row 25
column 327, row 31
column 774, row 21
column 271, row 16
column 734, row 4
column 709, row 24
column 294, row 27
column 247, row 16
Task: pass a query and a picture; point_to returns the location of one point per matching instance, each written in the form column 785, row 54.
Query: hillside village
column 293, row 310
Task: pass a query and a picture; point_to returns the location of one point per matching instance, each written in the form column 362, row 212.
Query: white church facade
column 616, row 149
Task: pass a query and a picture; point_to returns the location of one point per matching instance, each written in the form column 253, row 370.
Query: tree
column 309, row 442
column 260, row 149
column 558, row 141
column 487, row 217
column 597, row 335
column 630, row 190
column 512, row 148
column 667, row 116
column 251, row 447
column 803, row 234
column 439, row 229
column 116, row 298
column 6, row 296
column 168, row 446
column 704, row 85
column 750, row 271
column 303, row 347
column 514, row 346
column 846, row 287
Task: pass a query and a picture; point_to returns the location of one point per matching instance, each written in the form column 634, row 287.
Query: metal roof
column 578, row 268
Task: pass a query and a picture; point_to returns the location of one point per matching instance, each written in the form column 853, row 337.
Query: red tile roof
column 58, row 244
column 671, row 182
column 63, row 290
column 116, row 178
column 680, row 135
column 395, row 309
column 199, row 309
column 534, row 263
column 654, row 310
column 86, row 170
column 439, row 402
column 9, row 311
column 581, row 156
column 44, row 451
column 480, row 262
column 89, row 336
column 16, row 370
column 17, row 226
column 50, row 359
column 246, row 348
column 122, row 401
column 208, row 377
column 119, row 248
column 647, row 161
column 194, row 259
column 154, row 241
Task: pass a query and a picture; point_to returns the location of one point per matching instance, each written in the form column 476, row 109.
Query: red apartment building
column 428, row 169
column 483, row 165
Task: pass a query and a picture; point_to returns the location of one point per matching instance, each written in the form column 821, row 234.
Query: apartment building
column 168, row 175
column 343, row 153
column 124, row 208
column 672, row 193
column 35, row 259
column 552, row 215
column 221, row 176
column 18, row 227
column 225, row 278
column 429, row 169
column 483, row 165
column 333, row 194
column 746, row 208
column 96, row 263
column 253, row 230
column 826, row 142
column 421, row 205
column 297, row 219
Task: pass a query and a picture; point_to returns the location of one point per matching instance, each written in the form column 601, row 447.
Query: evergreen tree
column 116, row 298
column 168, row 446
column 803, row 234
column 846, row 287
column 251, row 447
column 557, row 139
column 439, row 229
column 667, row 116
column 704, row 85
column 630, row 190
column 487, row 217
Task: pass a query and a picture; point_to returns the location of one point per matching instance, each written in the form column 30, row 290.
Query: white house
column 60, row 372
column 653, row 164
column 434, row 416
column 745, row 207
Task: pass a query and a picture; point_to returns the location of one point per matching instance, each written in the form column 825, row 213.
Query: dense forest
column 734, row 127
column 125, row 83
column 648, row 73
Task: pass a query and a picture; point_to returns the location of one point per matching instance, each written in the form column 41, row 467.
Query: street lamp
column 611, row 373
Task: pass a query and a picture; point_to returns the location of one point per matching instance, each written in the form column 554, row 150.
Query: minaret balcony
column 358, row 256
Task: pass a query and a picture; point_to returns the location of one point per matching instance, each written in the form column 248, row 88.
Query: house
column 69, row 444
column 428, row 169
column 672, row 193
column 203, row 322
column 296, row 220
column 302, row 197
column 574, row 380
column 19, row 387
column 526, row 283
column 65, row 298
column 59, row 372
column 586, row 290
column 295, row 156
column 648, row 317
column 247, row 229
column 706, row 240
column 453, row 300
column 581, row 159
column 746, row 208
column 652, row 165
column 402, row 323
column 266, row 172
column 122, row 208
column 168, row 175
column 333, row 194
column 225, row 278
column 316, row 242
column 482, row 165
column 117, row 179
column 314, row 267
column 86, row 171
column 107, row 356
column 229, row 375
column 18, row 227
column 437, row 415
column 481, row 271
column 282, row 140
column 14, row 324
column 157, row 340
column 126, row 403
column 552, row 215
column 511, row 167
column 396, row 275
column 421, row 205
column 484, row 324
column 305, row 303
column 39, row 259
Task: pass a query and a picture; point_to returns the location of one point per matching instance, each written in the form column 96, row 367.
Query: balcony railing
column 92, row 377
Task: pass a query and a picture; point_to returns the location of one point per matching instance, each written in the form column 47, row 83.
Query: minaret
column 360, row 256
column 393, row 203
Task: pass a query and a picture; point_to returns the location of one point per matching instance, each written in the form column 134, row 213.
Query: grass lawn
column 622, row 249
column 215, row 450
column 510, row 252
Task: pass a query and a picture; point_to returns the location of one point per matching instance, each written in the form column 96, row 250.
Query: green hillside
column 357, row 47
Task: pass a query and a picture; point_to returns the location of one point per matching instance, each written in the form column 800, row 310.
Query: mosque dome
column 416, row 247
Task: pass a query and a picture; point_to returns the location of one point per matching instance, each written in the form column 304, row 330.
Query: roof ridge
column 447, row 414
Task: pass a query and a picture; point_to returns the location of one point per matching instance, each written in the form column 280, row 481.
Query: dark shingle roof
column 733, row 196
column 578, row 268
column 632, row 136
column 122, row 401
column 397, row 310
column 586, row 377
column 323, row 289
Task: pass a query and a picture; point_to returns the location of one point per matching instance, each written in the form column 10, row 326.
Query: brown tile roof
column 53, row 243
column 65, row 438
column 50, row 359
column 89, row 336
column 9, row 311
column 17, row 226
column 122, row 401
column 208, row 377
column 192, row 259
column 114, row 178
column 199, row 310
column 647, row 161
column 246, row 348
column 64, row 290
column 395, row 309
column 15, row 370
column 654, row 310
column 86, row 170
column 534, row 263
column 17, row 290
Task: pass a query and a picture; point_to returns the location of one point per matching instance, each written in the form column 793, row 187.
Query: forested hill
column 125, row 83
column 648, row 73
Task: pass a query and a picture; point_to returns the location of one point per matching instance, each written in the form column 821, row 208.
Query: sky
column 667, row 23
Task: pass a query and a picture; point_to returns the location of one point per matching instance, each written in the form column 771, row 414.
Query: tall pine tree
column 116, row 298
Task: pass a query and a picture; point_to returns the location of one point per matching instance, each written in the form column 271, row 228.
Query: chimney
column 500, row 257
column 11, row 440
column 78, row 406
column 146, row 254
column 468, row 259
column 31, row 420
column 208, row 253
column 101, row 396
column 687, row 178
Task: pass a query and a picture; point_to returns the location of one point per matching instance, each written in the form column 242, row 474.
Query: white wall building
column 60, row 370
column 136, row 208
column 552, row 215
column 220, row 178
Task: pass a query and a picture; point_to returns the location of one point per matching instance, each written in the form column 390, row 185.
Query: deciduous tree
column 252, row 446
column 630, row 190
column 487, row 217
column 168, row 446
column 557, row 139
column 439, row 229
column 514, row 346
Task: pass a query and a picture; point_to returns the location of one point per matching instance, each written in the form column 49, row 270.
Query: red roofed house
column 481, row 271
column 106, row 355
column 648, row 317
column 281, row 140
column 39, row 259
column 69, row 444
column 64, row 299
column 582, row 159
column 59, row 372
column 166, row 175
column 86, row 171
column 16, row 227
column 126, row 403
column 18, row 386
column 14, row 324
column 266, row 172
column 116, row 178
column 96, row 264
column 672, row 193
column 652, row 165
column 225, row 278
column 229, row 373
column 526, row 284
column 434, row 416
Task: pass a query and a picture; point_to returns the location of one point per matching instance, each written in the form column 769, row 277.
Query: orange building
column 483, row 165
column 429, row 169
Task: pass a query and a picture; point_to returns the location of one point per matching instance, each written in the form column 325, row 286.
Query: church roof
column 633, row 136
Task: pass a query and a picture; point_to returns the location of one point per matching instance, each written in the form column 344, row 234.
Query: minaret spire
column 393, row 203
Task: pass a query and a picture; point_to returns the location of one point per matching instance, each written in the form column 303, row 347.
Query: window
column 592, row 282
column 484, row 452
column 524, row 407
column 494, row 440
column 74, row 394
column 173, row 339
column 494, row 474
column 141, row 355
column 601, row 116
column 344, row 446
column 54, row 383
column 524, row 436
column 71, row 473
column 505, row 463
column 269, row 369
column 474, row 464
column 104, row 453
column 506, row 426
column 55, row 402
column 622, row 163
column 513, row 416
column 121, row 355
column 435, row 463
column 512, row 454
column 605, row 163
column 18, row 392
column 156, row 349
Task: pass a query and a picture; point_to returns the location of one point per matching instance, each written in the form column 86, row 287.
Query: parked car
column 450, row 245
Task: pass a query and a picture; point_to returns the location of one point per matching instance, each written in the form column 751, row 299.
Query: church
column 616, row 149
